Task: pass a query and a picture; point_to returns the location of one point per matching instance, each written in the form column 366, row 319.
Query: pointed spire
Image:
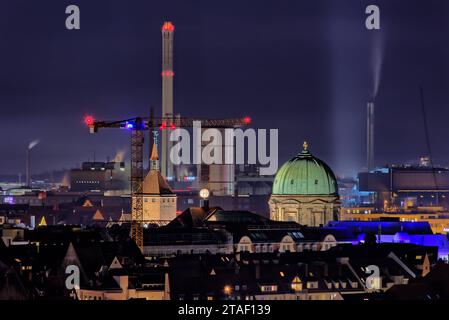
column 154, row 159
column 305, row 146
column 43, row 222
column 154, row 153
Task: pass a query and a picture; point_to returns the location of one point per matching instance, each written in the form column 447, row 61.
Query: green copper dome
column 305, row 175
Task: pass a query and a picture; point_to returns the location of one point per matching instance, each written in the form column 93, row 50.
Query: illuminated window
column 312, row 285
column 272, row 288
column 296, row 284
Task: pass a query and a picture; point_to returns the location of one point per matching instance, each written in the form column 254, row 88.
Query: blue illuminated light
column 129, row 125
column 9, row 200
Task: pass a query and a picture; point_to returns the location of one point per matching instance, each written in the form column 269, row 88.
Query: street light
column 227, row 291
column 204, row 195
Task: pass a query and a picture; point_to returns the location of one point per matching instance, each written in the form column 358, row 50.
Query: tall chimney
column 168, row 30
column 28, row 169
column 370, row 136
column 28, row 162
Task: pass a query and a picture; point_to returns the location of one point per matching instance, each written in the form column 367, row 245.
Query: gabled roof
column 155, row 184
column 116, row 264
column 192, row 217
column 98, row 216
column 216, row 216
column 11, row 286
column 92, row 257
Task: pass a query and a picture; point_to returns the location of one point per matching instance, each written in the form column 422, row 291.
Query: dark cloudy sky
column 302, row 66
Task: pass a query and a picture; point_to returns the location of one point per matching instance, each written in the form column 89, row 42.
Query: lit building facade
column 438, row 221
column 159, row 201
column 305, row 190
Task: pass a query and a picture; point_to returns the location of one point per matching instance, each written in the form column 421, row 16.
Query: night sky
column 304, row 67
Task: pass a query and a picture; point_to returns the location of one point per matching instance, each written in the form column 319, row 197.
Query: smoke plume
column 120, row 156
column 33, row 144
column 377, row 60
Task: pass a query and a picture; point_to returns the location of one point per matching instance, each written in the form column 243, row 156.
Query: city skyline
column 223, row 156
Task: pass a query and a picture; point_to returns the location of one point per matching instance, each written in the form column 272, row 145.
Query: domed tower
column 305, row 190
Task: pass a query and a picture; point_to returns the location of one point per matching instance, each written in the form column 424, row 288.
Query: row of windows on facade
column 20, row 200
column 163, row 200
column 285, row 247
column 88, row 181
column 92, row 298
column 296, row 286
column 359, row 211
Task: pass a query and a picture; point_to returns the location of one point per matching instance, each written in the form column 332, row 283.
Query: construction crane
column 137, row 126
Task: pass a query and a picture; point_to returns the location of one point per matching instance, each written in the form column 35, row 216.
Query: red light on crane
column 247, row 120
column 89, row 120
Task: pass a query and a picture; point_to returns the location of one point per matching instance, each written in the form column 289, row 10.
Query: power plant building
column 99, row 177
column 407, row 186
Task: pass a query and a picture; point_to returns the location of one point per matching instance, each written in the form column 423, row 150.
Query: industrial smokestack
column 28, row 175
column 28, row 162
column 168, row 30
column 370, row 136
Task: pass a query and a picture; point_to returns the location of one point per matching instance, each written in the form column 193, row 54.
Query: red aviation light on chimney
column 172, row 126
column 168, row 26
column 168, row 74
column 163, row 126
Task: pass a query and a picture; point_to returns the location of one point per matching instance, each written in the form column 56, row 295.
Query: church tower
column 154, row 159
column 159, row 201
